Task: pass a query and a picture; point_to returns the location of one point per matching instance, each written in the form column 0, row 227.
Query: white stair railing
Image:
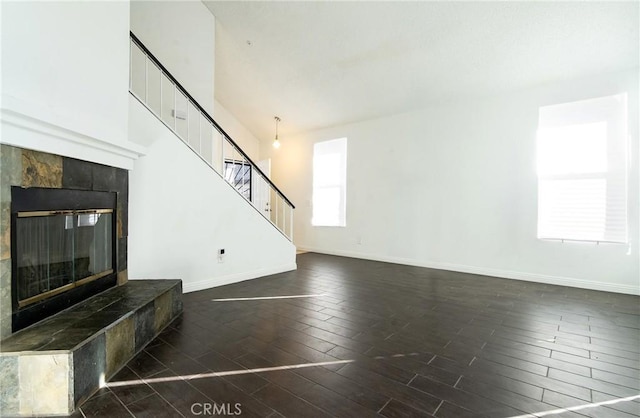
column 164, row 96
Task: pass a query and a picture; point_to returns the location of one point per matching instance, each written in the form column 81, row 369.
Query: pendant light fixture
column 276, row 143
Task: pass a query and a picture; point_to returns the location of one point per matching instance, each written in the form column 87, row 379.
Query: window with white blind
column 329, row 183
column 582, row 170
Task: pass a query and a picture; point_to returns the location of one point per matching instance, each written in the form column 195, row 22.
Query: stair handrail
column 206, row 115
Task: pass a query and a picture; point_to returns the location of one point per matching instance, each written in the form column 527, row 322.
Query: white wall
column 65, row 78
column 241, row 135
column 181, row 212
column 181, row 34
column 454, row 187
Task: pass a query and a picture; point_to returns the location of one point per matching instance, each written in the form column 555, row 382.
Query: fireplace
column 64, row 249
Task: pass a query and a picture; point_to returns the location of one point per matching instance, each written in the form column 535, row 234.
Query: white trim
column 22, row 130
column 235, row 278
column 505, row 274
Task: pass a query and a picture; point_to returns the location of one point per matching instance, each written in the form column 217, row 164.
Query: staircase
column 155, row 88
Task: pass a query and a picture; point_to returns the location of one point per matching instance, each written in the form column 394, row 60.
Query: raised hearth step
column 51, row 367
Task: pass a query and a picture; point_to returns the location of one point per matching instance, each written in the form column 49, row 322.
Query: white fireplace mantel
column 38, row 128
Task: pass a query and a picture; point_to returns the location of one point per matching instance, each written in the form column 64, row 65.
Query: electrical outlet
column 221, row 255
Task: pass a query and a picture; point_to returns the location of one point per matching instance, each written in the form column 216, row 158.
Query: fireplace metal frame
column 45, row 295
column 29, row 202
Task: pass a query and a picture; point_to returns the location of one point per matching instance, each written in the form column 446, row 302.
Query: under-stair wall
column 181, row 213
column 184, row 211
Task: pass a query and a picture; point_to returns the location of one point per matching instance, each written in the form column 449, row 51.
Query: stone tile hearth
column 53, row 366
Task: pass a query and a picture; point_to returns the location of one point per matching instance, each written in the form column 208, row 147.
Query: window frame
column 341, row 145
column 617, row 165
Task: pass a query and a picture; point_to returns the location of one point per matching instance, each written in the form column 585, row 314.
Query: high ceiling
column 321, row 64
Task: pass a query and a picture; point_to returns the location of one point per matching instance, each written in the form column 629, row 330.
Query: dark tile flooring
column 378, row 339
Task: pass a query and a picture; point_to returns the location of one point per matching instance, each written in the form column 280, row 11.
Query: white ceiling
column 320, row 64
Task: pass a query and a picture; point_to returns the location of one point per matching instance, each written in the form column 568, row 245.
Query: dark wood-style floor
column 355, row 338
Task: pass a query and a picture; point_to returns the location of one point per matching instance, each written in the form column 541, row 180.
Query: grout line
column 412, row 379
column 438, row 407
column 121, row 403
column 161, row 397
column 158, row 372
column 167, row 401
column 340, row 368
column 144, row 397
column 385, row 404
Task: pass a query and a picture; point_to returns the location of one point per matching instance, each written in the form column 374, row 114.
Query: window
column 329, row 183
column 582, row 170
column 238, row 173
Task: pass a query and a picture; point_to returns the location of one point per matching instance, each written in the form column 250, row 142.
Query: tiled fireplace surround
column 26, row 168
column 52, row 378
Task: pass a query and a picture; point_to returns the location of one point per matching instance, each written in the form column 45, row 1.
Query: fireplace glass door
column 56, row 251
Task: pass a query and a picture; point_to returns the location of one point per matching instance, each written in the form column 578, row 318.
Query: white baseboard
column 235, row 278
column 505, row 274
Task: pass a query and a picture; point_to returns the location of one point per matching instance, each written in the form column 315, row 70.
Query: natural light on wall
column 582, row 170
column 329, row 183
